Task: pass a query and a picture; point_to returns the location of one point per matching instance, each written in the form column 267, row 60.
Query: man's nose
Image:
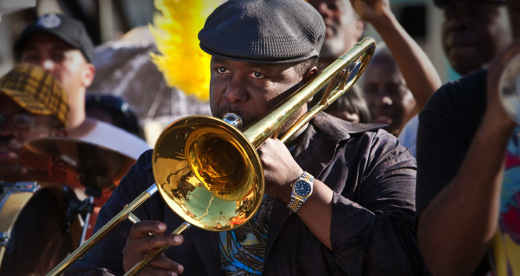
column 383, row 98
column 461, row 23
column 235, row 92
column 48, row 65
column 386, row 100
column 43, row 62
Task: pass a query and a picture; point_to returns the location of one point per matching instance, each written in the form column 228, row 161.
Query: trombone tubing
column 116, row 220
column 365, row 48
column 264, row 128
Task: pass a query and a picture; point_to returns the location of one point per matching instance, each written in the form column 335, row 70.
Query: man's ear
column 89, row 71
column 310, row 74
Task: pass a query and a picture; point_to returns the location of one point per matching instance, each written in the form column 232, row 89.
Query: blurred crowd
column 463, row 142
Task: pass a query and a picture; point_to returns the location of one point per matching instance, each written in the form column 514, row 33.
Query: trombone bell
column 208, row 173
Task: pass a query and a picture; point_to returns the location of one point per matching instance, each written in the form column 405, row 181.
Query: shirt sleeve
column 446, row 128
column 372, row 230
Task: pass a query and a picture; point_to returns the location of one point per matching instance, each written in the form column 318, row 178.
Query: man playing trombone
column 355, row 214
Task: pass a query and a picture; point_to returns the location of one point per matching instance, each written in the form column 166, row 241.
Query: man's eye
column 370, row 90
column 399, row 89
column 332, row 6
column 221, row 70
column 257, row 75
column 58, row 56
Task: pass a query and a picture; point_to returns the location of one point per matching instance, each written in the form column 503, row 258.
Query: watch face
column 302, row 188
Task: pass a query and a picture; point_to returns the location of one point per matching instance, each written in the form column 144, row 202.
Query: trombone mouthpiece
column 233, row 119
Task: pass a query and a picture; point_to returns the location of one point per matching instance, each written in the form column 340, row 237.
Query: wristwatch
column 301, row 191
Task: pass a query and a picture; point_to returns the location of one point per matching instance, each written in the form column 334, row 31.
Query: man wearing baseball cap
column 356, row 216
column 32, row 105
column 473, row 32
column 60, row 44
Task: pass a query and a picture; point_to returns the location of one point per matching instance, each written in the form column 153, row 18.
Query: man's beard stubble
column 332, row 48
column 334, row 44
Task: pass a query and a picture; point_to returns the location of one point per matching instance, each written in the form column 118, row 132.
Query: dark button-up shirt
column 372, row 230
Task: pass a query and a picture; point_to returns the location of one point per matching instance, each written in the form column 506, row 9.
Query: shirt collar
column 340, row 129
column 317, row 145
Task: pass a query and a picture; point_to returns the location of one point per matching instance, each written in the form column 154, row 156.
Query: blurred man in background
column 473, row 32
column 60, row 44
column 344, row 28
column 389, row 99
column 345, row 21
column 32, row 105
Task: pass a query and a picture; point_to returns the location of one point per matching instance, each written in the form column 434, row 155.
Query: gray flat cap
column 263, row 31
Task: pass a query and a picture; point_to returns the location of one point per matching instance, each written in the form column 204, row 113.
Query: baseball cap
column 441, row 3
column 62, row 26
column 263, row 31
column 36, row 90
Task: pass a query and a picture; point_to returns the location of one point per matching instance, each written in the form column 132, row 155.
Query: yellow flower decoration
column 175, row 29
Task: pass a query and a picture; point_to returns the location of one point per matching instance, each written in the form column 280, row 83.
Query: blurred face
column 344, row 28
column 16, row 127
column 473, row 33
column 386, row 93
column 67, row 64
column 250, row 90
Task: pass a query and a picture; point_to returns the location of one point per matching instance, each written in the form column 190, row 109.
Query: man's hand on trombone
column 280, row 168
column 146, row 236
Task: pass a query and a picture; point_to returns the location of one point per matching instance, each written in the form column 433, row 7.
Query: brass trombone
column 208, row 171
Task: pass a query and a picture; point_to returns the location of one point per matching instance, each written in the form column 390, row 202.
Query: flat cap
column 263, row 31
column 442, row 3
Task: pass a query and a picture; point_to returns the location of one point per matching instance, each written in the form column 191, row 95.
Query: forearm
column 419, row 73
column 454, row 231
column 316, row 213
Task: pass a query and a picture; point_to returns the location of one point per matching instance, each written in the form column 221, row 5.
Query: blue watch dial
column 302, row 188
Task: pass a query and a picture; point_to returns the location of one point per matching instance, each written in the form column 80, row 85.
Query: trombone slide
column 96, row 237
